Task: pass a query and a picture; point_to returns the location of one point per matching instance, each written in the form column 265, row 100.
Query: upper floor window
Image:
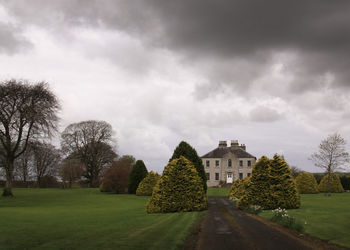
column 249, row 163
column 217, row 163
column 208, row 176
column 207, row 163
column 241, row 163
column 229, row 163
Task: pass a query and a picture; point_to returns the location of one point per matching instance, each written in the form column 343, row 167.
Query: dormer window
column 229, row 163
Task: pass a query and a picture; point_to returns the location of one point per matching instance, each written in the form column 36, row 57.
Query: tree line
column 28, row 121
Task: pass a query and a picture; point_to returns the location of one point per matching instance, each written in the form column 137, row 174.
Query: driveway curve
column 225, row 227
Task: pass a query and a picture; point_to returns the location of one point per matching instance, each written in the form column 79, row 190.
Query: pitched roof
column 220, row 152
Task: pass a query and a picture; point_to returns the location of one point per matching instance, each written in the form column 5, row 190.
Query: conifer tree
column 306, row 183
column 331, row 184
column 178, row 189
column 137, row 174
column 186, row 150
column 239, row 187
column 258, row 190
column 282, row 185
column 147, row 184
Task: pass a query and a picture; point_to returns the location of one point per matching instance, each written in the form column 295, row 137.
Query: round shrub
column 115, row 179
column 147, row 184
column 179, row 189
column 306, row 183
column 335, row 185
column 238, row 188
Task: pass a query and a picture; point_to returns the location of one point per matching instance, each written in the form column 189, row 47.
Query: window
column 207, row 163
column 216, row 163
column 216, row 176
column 241, row 163
column 208, row 176
column 229, row 163
column 241, row 176
column 229, row 175
column 248, row 174
column 249, row 163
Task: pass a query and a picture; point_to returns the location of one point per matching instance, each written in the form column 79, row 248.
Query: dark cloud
column 231, row 43
column 10, row 39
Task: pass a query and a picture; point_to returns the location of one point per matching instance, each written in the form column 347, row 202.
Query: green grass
column 87, row 219
column 216, row 191
column 327, row 218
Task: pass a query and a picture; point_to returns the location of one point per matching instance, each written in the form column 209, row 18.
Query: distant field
column 327, row 218
column 216, row 191
column 87, row 219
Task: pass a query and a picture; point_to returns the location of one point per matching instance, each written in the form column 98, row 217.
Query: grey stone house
column 227, row 164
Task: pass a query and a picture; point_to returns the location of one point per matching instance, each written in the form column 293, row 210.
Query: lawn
column 327, row 218
column 216, row 191
column 87, row 219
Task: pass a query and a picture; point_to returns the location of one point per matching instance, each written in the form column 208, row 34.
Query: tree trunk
column 329, row 184
column 8, row 185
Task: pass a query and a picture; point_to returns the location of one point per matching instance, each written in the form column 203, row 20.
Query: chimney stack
column 222, row 144
column 234, row 143
column 243, row 147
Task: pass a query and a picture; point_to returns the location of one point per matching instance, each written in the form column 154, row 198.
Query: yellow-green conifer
column 147, row 184
column 306, row 183
column 334, row 182
column 179, row 189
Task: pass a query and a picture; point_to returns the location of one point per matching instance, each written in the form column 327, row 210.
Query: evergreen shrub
column 147, row 184
column 178, row 189
column 137, row 174
column 186, row 150
column 306, row 183
column 258, row 188
column 335, row 185
column 345, row 182
column 282, row 185
column 238, row 188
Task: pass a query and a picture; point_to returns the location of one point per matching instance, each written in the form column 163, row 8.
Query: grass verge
column 327, row 218
column 87, row 219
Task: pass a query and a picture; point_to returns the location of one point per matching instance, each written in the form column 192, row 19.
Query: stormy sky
column 272, row 74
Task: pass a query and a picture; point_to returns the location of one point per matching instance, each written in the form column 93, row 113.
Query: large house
column 227, row 164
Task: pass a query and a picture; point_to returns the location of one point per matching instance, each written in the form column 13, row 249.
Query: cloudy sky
column 272, row 74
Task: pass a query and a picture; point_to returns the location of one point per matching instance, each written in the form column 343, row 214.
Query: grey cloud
column 222, row 33
column 264, row 114
column 10, row 40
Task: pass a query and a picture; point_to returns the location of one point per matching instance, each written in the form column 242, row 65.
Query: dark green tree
column 258, row 189
column 178, row 189
column 137, row 174
column 186, row 150
column 282, row 185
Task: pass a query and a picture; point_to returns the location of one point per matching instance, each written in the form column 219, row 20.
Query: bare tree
column 23, row 165
column 27, row 111
column 46, row 160
column 331, row 155
column 91, row 142
column 70, row 171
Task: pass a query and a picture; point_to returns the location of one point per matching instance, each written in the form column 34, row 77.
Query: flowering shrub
column 254, row 209
column 281, row 217
column 234, row 200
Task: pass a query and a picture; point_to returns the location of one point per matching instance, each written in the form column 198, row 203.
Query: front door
column 229, row 178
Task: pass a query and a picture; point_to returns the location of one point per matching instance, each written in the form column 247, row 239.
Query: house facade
column 227, row 163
